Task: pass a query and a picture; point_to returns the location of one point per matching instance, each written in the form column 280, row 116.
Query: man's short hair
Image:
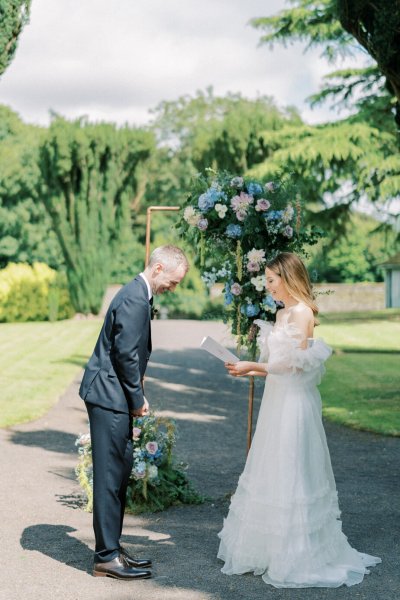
column 170, row 257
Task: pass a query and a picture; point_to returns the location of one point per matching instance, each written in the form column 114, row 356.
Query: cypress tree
column 88, row 182
column 14, row 14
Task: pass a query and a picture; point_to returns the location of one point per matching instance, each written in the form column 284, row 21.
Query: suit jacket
column 113, row 376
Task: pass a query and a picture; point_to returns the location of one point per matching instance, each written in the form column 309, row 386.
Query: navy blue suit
column 112, row 388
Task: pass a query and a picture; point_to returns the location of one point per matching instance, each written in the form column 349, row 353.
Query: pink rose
column 202, row 224
column 236, row 289
column 253, row 267
column 270, row 186
column 84, row 440
column 241, row 215
column 152, row 447
column 262, row 205
column 136, row 433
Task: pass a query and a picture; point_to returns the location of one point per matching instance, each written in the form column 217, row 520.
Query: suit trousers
column 112, row 455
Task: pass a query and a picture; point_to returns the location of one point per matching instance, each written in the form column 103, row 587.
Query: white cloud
column 116, row 60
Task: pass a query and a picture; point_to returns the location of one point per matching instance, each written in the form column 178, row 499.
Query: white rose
column 191, row 216
column 258, row 282
column 152, row 472
column 221, row 210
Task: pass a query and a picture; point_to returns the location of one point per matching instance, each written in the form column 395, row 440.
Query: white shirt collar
column 149, row 292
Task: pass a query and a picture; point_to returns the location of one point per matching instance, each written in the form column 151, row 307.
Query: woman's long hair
column 295, row 277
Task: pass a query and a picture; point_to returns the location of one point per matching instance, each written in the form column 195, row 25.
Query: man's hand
column 142, row 411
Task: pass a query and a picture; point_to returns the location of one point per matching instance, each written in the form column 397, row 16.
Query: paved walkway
column 47, row 539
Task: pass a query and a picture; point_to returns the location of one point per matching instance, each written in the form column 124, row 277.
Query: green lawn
column 361, row 388
column 362, row 385
column 39, row 361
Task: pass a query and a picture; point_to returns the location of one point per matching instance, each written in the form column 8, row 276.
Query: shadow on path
column 54, row 541
column 48, row 439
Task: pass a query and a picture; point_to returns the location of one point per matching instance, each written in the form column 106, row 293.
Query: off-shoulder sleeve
column 262, row 339
column 287, row 357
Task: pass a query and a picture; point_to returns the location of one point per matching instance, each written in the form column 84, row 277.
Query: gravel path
column 47, row 539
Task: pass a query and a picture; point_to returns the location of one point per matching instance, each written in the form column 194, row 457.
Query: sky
column 116, row 60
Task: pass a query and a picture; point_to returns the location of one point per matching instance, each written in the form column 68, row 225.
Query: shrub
column 33, row 293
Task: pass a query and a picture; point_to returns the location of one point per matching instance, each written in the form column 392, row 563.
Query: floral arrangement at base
column 237, row 225
column 156, row 481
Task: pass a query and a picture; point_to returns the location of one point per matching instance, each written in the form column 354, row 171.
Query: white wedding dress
column 283, row 521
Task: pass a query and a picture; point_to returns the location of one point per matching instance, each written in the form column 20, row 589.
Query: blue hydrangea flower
column 153, row 456
column 254, row 189
column 274, row 215
column 269, row 304
column 217, row 195
column 228, row 296
column 250, row 310
column 233, row 231
column 206, row 202
column 269, row 301
column 140, row 467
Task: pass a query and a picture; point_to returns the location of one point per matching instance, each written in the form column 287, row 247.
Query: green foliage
column 35, row 293
column 10, row 123
column 356, row 256
column 88, row 174
column 204, row 131
column 333, row 166
column 363, row 89
column 376, row 27
column 314, row 22
column 14, row 15
column 128, row 258
column 25, row 228
column 334, row 25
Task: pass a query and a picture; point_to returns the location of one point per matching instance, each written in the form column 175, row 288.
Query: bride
column 283, row 521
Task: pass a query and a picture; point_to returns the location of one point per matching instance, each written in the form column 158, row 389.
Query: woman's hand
column 240, row 369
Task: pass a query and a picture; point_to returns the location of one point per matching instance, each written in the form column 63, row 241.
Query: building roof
column 392, row 262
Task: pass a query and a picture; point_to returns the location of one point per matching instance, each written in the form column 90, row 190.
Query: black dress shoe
column 118, row 569
column 138, row 563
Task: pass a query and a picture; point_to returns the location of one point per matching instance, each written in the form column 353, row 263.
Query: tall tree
column 220, row 132
column 203, row 131
column 340, row 163
column 14, row 15
column 333, row 165
column 24, row 223
column 89, row 180
column 376, row 27
column 335, row 25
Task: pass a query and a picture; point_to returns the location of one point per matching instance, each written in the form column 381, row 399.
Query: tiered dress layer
column 283, row 521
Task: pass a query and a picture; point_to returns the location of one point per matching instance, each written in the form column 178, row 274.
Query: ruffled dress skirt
column 283, row 521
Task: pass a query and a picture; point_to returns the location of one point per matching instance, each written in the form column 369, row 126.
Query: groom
column 112, row 388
